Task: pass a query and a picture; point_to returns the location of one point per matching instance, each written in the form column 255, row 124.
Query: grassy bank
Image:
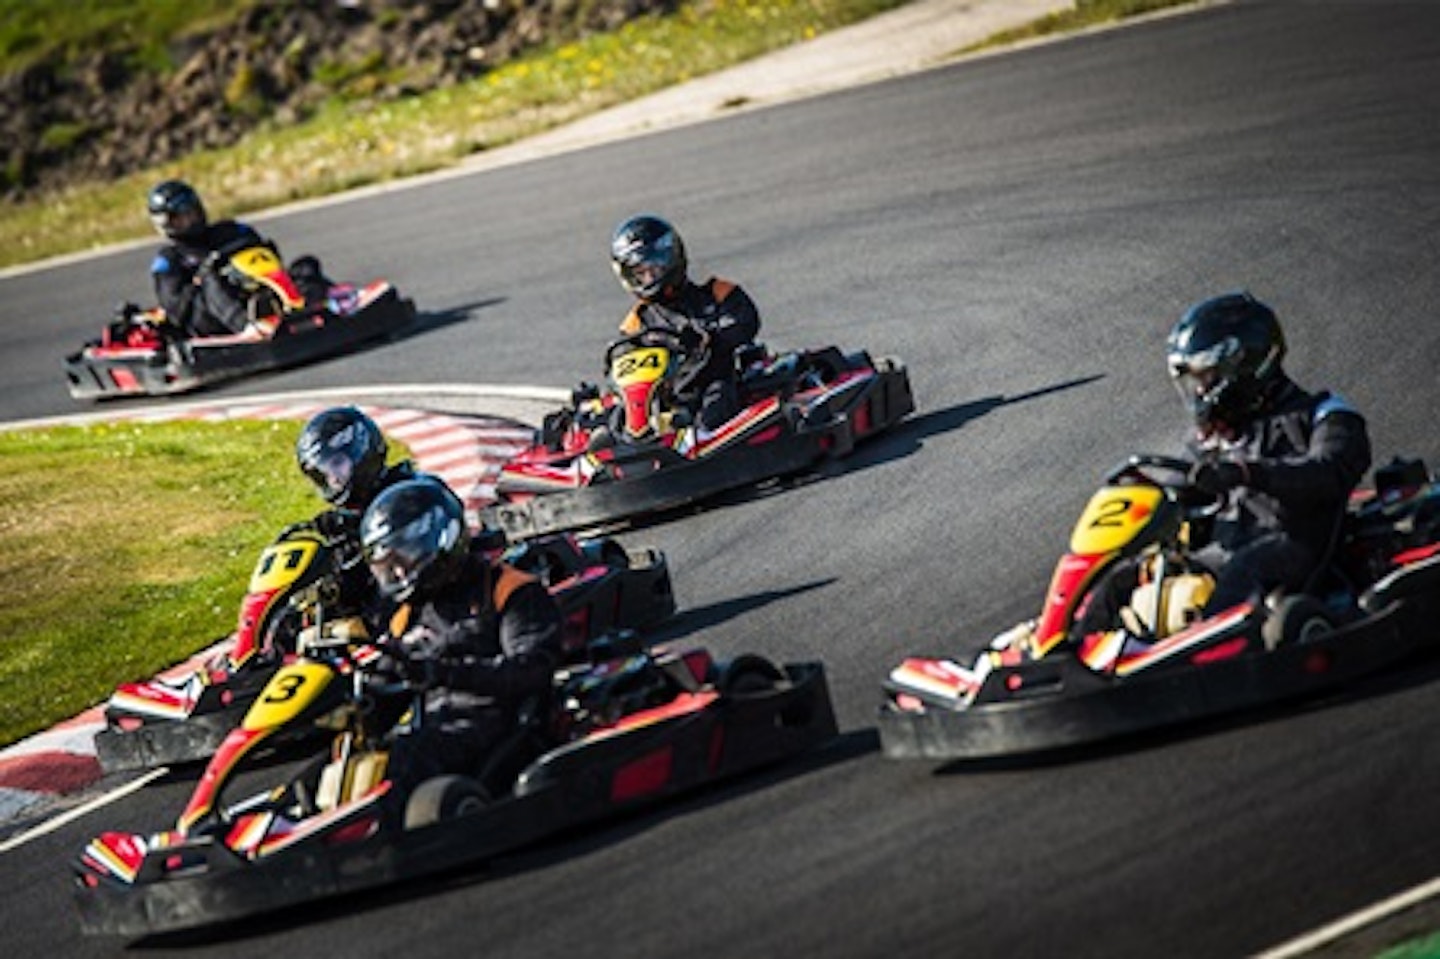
column 126, row 548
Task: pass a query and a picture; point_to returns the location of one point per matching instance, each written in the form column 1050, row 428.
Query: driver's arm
column 175, row 289
column 737, row 321
column 1336, row 461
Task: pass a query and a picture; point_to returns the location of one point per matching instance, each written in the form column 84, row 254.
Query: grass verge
column 1424, row 947
column 126, row 548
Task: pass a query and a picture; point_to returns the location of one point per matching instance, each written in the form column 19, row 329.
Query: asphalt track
column 1022, row 230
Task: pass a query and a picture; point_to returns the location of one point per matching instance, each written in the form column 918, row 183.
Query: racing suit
column 193, row 295
column 716, row 318
column 1302, row 458
column 487, row 644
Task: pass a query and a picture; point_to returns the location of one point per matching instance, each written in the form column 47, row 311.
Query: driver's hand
column 384, row 676
column 397, row 667
column 336, row 524
column 1217, row 477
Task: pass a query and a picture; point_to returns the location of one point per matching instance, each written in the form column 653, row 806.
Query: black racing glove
column 1218, row 477
column 393, row 672
column 338, row 524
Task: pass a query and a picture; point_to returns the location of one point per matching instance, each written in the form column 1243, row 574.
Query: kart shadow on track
column 909, row 435
column 1421, row 669
column 694, row 620
column 428, row 321
column 564, row 846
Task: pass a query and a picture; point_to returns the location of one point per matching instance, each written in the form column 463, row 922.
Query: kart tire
column 748, row 674
column 443, row 798
column 1297, row 619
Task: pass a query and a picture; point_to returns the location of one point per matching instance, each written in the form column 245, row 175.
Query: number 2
column 1112, row 513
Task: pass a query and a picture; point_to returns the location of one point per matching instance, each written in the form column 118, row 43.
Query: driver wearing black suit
column 1281, row 459
column 197, row 301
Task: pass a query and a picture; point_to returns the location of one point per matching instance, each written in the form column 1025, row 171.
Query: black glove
column 338, row 524
column 411, row 660
column 1217, row 477
column 394, row 672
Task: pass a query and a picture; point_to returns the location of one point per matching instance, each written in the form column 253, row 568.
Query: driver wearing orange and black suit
column 712, row 320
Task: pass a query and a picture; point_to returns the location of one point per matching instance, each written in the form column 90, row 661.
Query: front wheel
column 443, row 798
column 1297, row 619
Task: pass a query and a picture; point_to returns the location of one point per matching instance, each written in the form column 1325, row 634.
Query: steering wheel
column 674, row 342
column 1171, row 475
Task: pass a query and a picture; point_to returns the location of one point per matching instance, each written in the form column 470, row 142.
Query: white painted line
column 1325, row 935
column 65, row 818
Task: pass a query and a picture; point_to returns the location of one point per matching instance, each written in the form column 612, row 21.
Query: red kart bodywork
column 687, row 722
column 799, row 410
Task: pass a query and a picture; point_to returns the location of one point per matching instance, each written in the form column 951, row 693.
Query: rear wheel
column 1297, row 619
column 443, row 798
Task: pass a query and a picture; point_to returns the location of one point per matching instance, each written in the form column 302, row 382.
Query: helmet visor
column 398, row 559
column 644, row 277
column 645, row 267
column 173, row 223
column 397, row 571
column 331, row 472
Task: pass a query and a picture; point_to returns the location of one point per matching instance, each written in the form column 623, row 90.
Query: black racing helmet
column 175, row 210
column 342, row 452
column 648, row 257
column 1225, row 358
column 413, row 538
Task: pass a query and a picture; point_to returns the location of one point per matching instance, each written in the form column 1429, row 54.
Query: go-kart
column 628, row 728
column 142, row 353
column 631, row 448
column 1038, row 687
column 599, row 585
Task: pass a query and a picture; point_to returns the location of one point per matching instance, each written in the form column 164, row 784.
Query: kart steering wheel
column 1171, row 475
column 675, row 342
